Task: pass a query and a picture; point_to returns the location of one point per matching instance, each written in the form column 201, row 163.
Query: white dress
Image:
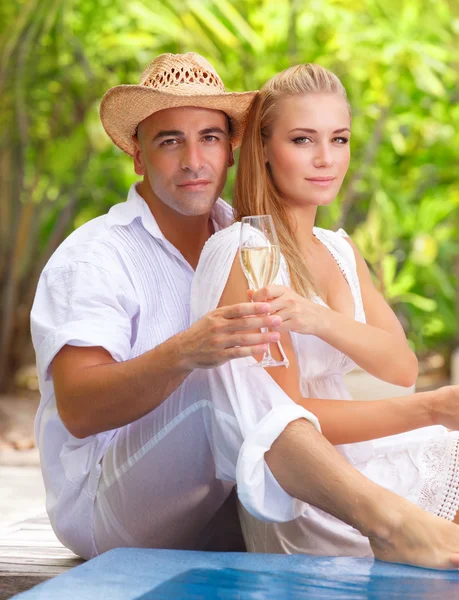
column 422, row 465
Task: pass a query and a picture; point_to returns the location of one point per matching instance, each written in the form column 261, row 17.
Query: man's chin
column 196, row 208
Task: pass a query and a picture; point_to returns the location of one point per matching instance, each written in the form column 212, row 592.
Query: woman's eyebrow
column 306, row 130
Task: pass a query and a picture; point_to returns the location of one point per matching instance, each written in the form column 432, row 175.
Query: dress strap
column 343, row 253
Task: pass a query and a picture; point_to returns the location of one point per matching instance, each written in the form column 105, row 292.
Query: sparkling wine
column 260, row 264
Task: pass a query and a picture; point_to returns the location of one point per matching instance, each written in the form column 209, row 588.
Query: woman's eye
column 302, row 140
column 341, row 140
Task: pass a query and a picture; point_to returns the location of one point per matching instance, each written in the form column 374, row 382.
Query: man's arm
column 308, row 467
column 95, row 393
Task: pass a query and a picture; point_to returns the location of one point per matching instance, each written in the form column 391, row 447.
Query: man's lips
column 322, row 181
column 194, row 184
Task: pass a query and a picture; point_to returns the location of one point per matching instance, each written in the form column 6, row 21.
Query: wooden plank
column 30, row 553
column 12, row 585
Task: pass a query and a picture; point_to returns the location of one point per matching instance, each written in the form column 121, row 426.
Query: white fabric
column 116, row 282
column 249, row 396
column 419, row 465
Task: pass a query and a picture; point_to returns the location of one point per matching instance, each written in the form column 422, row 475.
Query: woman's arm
column 342, row 422
column 378, row 346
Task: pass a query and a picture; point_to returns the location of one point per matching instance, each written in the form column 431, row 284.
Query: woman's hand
column 298, row 313
column 444, row 407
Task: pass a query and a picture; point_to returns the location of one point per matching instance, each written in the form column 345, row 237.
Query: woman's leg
column 399, row 531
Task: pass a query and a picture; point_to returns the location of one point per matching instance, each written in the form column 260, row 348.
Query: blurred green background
column 399, row 60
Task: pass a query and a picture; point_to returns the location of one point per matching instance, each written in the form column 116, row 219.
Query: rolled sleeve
column 261, row 411
column 79, row 304
column 257, row 488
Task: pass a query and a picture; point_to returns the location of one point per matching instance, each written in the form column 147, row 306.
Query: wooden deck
column 29, row 554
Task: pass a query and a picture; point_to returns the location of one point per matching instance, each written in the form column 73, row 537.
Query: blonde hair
column 254, row 191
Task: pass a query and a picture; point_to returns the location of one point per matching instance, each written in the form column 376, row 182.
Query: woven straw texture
column 170, row 81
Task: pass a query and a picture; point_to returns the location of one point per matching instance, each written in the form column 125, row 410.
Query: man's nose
column 191, row 158
column 324, row 156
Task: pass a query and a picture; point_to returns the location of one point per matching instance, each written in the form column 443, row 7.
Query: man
column 122, row 431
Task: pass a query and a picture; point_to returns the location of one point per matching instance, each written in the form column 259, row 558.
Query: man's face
column 184, row 154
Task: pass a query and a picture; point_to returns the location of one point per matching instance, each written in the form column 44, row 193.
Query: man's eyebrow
column 178, row 133
column 314, row 131
column 213, row 130
column 170, row 133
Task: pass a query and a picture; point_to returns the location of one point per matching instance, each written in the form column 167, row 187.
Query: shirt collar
column 135, row 207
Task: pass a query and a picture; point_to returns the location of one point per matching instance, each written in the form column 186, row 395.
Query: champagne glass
column 260, row 258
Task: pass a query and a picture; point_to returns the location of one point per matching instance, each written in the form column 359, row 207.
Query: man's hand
column 226, row 333
column 297, row 313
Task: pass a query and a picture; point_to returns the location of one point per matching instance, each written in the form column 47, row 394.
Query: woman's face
column 308, row 148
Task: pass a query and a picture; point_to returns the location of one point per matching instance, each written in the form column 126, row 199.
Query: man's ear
column 139, row 167
column 231, row 158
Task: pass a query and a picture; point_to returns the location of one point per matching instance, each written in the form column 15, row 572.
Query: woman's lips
column 322, row 181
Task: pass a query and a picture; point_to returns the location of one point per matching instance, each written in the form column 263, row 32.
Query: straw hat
column 169, row 81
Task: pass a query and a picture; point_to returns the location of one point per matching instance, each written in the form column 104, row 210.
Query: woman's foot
column 413, row 536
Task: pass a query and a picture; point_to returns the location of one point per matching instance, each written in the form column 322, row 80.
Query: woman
column 294, row 157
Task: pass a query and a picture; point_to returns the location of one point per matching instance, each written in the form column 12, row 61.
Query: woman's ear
column 231, row 158
column 265, row 153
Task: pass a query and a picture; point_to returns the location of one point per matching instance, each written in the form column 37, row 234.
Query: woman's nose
column 323, row 157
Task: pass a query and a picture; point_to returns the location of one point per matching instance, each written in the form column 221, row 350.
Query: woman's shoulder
column 329, row 233
column 213, row 270
column 339, row 244
column 222, row 243
column 226, row 235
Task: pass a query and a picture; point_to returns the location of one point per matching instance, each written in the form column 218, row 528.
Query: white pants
column 158, row 487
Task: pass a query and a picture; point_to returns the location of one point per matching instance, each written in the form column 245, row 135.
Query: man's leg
column 158, row 487
column 308, row 467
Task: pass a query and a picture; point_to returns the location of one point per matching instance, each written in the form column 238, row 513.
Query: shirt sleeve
column 250, row 409
column 79, row 304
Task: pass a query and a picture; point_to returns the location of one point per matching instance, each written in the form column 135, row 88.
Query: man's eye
column 210, row 138
column 341, row 140
column 302, row 140
column 170, row 142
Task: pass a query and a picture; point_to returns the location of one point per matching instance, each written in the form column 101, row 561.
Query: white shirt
column 118, row 283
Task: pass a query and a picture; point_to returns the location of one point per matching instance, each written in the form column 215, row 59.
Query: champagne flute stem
column 267, row 355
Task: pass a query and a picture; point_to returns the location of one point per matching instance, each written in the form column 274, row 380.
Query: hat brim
column 123, row 107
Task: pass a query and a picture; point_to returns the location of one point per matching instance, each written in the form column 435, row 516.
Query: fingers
column 286, row 325
column 252, row 339
column 267, row 293
column 245, row 351
column 244, row 309
column 248, row 323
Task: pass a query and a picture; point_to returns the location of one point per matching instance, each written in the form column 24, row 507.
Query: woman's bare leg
column 308, row 467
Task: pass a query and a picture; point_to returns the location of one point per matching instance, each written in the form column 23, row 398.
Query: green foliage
column 397, row 59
